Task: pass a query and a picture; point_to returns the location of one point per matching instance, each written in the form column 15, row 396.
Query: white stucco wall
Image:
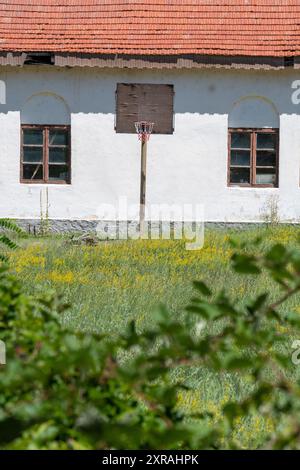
column 189, row 166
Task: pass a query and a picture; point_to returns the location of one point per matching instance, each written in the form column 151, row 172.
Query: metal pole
column 143, row 183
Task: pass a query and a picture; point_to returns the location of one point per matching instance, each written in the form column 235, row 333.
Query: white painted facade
column 188, row 167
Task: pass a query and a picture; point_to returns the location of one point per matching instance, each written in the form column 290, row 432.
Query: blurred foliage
column 6, row 227
column 63, row 389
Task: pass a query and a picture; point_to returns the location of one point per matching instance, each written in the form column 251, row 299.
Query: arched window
column 253, row 144
column 45, row 140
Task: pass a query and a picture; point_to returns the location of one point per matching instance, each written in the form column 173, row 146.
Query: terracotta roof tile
column 152, row 27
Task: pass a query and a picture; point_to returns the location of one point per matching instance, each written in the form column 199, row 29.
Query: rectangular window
column 144, row 102
column 45, row 154
column 253, row 157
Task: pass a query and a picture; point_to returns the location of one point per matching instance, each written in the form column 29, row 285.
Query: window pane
column 33, row 172
column 58, row 172
column 33, row 154
column 266, row 141
column 58, row 155
column 265, row 158
column 58, row 137
column 240, row 157
column 240, row 175
column 265, row 176
column 240, row 140
column 33, row 136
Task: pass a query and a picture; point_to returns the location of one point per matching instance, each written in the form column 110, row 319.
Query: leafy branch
column 6, row 227
column 97, row 392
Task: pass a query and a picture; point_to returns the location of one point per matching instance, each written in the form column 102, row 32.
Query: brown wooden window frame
column 253, row 153
column 45, row 129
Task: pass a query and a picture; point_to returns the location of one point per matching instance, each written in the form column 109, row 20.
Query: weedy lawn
column 112, row 283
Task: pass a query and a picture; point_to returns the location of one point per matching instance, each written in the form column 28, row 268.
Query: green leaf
column 277, row 253
column 245, row 264
column 258, row 303
column 202, row 287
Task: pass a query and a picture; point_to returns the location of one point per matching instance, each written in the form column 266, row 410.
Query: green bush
column 61, row 389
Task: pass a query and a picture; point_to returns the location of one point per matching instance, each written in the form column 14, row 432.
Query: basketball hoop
column 144, row 130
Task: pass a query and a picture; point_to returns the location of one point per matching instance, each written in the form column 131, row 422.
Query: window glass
column 33, row 154
column 58, row 172
column 58, row 155
column 58, row 137
column 265, row 176
column 266, row 141
column 33, row 136
column 240, row 140
column 33, row 172
column 264, row 158
column 240, row 157
column 240, row 175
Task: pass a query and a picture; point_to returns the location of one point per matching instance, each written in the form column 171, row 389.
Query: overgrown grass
column 115, row 282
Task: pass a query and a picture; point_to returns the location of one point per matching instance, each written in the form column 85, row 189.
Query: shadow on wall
column 45, row 108
column 214, row 91
column 253, row 112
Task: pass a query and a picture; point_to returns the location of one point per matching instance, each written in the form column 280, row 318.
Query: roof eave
column 171, row 61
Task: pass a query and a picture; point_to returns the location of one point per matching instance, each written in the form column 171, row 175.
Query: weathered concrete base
column 127, row 229
column 35, row 226
column 108, row 229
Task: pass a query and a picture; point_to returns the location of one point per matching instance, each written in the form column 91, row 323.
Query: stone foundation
column 123, row 229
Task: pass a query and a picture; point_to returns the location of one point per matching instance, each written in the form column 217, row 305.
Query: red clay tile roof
column 152, row 27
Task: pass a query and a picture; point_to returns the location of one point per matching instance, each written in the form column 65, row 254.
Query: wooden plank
column 144, row 102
